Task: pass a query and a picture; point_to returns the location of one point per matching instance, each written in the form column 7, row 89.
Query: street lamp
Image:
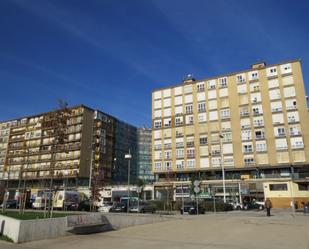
column 222, row 167
column 128, row 156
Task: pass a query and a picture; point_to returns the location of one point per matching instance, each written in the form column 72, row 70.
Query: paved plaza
column 239, row 229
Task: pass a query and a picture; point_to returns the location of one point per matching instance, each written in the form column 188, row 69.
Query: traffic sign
column 196, row 183
column 197, row 189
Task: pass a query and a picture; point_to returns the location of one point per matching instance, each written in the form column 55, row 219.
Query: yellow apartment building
column 249, row 126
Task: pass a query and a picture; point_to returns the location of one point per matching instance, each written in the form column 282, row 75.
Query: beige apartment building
column 251, row 125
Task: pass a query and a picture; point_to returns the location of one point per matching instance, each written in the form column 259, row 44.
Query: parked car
column 191, row 208
column 10, row 204
column 106, row 207
column 143, row 207
column 254, row 205
column 39, row 203
column 236, row 205
column 85, row 206
column 118, row 208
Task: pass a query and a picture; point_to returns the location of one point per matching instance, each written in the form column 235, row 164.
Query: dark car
column 253, row 205
column 10, row 204
column 118, row 208
column 84, row 206
column 192, row 209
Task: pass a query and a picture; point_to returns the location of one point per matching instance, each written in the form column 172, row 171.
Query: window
column 223, row 82
column 281, row 144
column 204, row 162
column 289, row 92
column 245, row 123
column 273, row 83
column 297, row 142
column 256, row 97
column 201, row 96
column 212, row 104
column 202, row 117
column 167, row 102
column 225, row 126
column 180, row 164
column 178, row 121
column 178, row 90
column 191, row 163
column 200, row 87
column 253, row 75
column 178, row 100
column 189, row 119
column 261, row 146
column 227, row 148
column 157, row 165
column 242, row 89
column 201, row 107
column 240, row 78
column 259, row 134
column 188, row 98
column 157, row 124
column 216, row 161
column 167, row 165
column 212, row 94
column 179, row 153
column 291, row 104
column 157, row 104
column 227, row 137
column 254, row 87
column 158, row 114
column 278, row 187
column 293, row 117
column 278, row 118
column 247, row 147
column 168, row 154
column 295, row 130
column 287, row 80
column 167, row 122
column 276, row 106
column 246, row 135
column 286, row 68
column 167, row 112
column 249, row 160
column 274, row 94
column 167, row 93
column 189, row 109
column 178, row 110
column 244, row 112
column 158, row 155
column 203, row 140
column 157, row 95
column 225, row 113
column 223, row 92
column 211, row 84
column 213, row 115
column 279, row 132
column 272, row 71
column 257, row 110
column 190, row 153
column 188, row 89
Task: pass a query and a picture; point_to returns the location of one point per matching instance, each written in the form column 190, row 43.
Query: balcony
column 244, row 114
column 190, row 155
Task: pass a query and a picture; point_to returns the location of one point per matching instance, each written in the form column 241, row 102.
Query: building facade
column 144, row 155
column 71, row 146
column 247, row 126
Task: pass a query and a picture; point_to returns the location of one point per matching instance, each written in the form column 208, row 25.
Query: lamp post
column 128, row 156
column 222, row 167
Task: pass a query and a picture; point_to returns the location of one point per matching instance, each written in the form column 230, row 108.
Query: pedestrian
column 268, row 206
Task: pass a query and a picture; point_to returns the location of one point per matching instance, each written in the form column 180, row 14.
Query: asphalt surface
column 238, row 229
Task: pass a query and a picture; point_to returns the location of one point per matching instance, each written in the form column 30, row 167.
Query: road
column 239, row 229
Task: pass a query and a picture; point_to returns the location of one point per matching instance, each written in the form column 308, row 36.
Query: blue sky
column 110, row 54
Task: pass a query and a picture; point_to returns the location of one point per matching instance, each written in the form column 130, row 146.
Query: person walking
column 268, row 206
